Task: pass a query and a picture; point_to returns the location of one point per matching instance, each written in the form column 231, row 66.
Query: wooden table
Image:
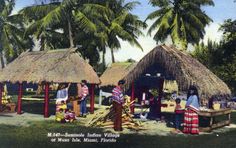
column 212, row 114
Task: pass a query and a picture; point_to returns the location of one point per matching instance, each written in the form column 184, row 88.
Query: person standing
column 118, row 100
column 178, row 114
column 62, row 92
column 84, row 95
column 191, row 121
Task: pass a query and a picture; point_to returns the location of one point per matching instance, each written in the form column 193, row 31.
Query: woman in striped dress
column 190, row 116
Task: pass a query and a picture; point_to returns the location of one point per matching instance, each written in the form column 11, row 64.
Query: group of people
column 191, row 121
column 71, row 101
column 70, row 95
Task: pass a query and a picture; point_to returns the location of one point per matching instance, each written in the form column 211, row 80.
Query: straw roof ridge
column 179, row 64
column 115, row 72
column 63, row 65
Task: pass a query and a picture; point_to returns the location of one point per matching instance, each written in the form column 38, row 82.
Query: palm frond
column 84, row 22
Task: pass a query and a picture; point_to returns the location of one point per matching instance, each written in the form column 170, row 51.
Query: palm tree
column 182, row 20
column 55, row 16
column 12, row 31
column 124, row 25
column 117, row 23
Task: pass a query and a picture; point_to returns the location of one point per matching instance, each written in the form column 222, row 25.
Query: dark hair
column 121, row 82
column 194, row 88
column 62, row 84
column 84, row 81
column 73, row 90
column 177, row 100
column 60, row 109
column 62, row 101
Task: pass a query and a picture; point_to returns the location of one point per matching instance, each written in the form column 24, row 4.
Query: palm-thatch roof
column 115, row 72
column 58, row 66
column 184, row 68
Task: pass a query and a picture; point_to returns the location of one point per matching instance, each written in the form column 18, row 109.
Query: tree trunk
column 42, row 42
column 70, row 34
column 103, row 59
column 112, row 55
column 2, row 60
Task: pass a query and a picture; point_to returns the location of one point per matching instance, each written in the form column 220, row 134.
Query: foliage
column 131, row 60
column 221, row 57
column 117, row 22
column 182, row 20
column 91, row 25
column 12, row 41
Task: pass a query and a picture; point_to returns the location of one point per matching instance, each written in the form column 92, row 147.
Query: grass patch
column 36, row 135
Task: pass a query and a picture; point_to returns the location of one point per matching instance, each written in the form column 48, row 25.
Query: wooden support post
column 1, row 88
column 160, row 95
column 229, row 118
column 132, row 98
column 46, row 101
column 92, row 99
column 19, row 101
column 211, row 123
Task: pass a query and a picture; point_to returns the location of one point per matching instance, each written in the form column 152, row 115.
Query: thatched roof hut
column 171, row 62
column 58, row 66
column 115, row 72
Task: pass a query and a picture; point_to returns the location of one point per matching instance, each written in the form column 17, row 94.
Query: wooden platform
column 212, row 114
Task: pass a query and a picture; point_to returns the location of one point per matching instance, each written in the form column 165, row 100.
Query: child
column 69, row 116
column 61, row 105
column 178, row 114
column 72, row 116
column 60, row 116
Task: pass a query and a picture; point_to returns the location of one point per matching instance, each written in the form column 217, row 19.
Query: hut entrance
column 149, row 91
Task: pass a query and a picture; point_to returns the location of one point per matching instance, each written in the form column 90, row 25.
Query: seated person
column 61, row 105
column 60, row 116
column 69, row 116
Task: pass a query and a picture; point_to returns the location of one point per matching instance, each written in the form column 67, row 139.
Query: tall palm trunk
column 70, row 34
column 2, row 60
column 112, row 55
column 103, row 58
column 42, row 42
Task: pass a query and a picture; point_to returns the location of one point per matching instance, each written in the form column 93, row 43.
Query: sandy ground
column 21, row 120
column 152, row 127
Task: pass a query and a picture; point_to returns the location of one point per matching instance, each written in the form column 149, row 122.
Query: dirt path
column 152, row 127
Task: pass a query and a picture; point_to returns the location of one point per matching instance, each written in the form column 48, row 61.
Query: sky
column 223, row 9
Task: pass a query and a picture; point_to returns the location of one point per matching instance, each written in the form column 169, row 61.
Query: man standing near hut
column 84, row 95
column 118, row 100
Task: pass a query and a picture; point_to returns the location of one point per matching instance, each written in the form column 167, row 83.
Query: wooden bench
column 212, row 114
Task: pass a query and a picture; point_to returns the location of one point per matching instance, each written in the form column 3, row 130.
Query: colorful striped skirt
column 191, row 122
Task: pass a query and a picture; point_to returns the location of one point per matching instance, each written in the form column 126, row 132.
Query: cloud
column 213, row 33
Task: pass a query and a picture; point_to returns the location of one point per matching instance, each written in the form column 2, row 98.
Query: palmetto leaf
column 130, row 6
column 7, row 9
column 183, row 20
column 158, row 13
column 162, row 22
column 37, row 12
column 84, row 22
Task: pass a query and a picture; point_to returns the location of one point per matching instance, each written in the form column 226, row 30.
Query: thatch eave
column 185, row 69
column 58, row 66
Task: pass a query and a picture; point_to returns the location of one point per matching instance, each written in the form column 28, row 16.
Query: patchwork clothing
column 191, row 122
column 117, row 95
